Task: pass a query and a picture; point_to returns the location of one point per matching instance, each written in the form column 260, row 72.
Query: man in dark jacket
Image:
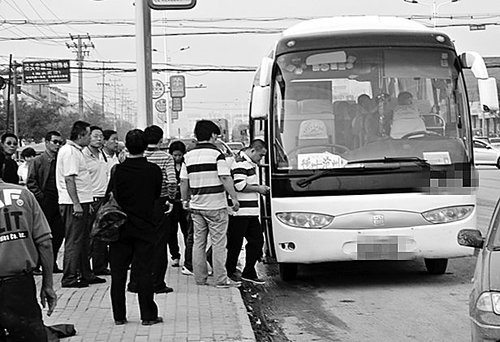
column 42, row 183
column 9, row 147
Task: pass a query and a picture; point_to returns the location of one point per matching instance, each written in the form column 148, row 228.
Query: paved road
column 379, row 301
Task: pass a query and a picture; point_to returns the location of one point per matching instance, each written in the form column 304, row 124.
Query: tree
column 34, row 121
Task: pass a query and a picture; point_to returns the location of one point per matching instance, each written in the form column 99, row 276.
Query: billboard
column 46, row 72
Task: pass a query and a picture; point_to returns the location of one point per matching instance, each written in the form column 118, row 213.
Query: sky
column 210, row 94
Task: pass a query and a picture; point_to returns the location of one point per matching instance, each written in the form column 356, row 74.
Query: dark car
column 484, row 300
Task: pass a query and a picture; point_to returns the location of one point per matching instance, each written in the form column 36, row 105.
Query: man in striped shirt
column 245, row 222
column 206, row 176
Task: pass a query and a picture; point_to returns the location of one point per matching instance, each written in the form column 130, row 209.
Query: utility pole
column 81, row 49
column 124, row 95
column 103, row 84
column 14, row 118
column 144, row 68
column 115, row 98
column 9, row 85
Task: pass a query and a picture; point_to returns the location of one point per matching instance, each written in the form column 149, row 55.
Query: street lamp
column 435, row 6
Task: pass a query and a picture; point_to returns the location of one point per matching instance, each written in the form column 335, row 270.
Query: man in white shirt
column 99, row 175
column 110, row 147
column 74, row 188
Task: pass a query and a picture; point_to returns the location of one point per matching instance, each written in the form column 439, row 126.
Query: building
column 32, row 93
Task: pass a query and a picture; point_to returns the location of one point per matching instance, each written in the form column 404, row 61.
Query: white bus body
column 369, row 133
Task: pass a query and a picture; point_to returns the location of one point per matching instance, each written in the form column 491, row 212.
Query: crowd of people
column 215, row 204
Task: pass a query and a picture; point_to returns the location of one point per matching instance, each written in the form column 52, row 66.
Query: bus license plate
column 375, row 247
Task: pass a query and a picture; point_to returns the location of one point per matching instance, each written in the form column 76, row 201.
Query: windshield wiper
column 386, row 161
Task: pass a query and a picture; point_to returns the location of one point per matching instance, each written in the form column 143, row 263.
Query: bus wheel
column 498, row 163
column 436, row 266
column 288, row 272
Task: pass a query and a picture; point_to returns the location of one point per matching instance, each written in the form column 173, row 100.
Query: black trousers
column 50, row 209
column 178, row 217
column 247, row 227
column 76, row 246
column 132, row 249
column 20, row 313
column 159, row 260
column 189, row 240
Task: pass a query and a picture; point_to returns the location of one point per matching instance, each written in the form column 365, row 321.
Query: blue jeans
column 214, row 222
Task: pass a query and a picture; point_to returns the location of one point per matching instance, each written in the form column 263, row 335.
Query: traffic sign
column 177, row 104
column 171, row 4
column 174, row 115
column 177, row 86
column 45, row 72
column 158, row 89
column 161, row 105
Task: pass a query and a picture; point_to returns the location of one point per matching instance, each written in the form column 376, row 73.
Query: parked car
column 484, row 300
column 486, row 154
column 495, row 142
column 482, row 138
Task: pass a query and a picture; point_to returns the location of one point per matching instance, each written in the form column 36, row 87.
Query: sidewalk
column 190, row 313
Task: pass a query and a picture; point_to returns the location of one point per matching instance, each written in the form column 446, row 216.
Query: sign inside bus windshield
column 315, row 161
column 327, row 160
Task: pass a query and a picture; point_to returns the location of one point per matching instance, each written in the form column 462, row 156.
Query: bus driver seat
column 313, row 132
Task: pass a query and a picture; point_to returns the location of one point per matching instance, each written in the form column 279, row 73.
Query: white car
column 495, row 142
column 486, row 154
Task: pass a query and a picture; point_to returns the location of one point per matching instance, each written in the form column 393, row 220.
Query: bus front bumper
column 314, row 245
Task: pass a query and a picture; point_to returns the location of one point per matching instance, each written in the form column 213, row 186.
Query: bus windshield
column 333, row 106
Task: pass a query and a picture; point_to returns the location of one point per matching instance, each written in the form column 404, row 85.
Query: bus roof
column 354, row 23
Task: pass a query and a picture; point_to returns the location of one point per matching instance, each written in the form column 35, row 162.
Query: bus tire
column 436, row 266
column 498, row 163
column 288, row 271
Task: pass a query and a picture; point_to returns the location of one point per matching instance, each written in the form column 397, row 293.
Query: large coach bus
column 370, row 142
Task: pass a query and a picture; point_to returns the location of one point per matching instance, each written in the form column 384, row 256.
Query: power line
column 102, row 36
column 39, row 16
column 131, row 22
column 20, row 11
column 55, row 15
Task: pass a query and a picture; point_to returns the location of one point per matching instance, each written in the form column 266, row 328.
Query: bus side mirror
column 266, row 69
column 488, row 94
column 259, row 106
column 472, row 60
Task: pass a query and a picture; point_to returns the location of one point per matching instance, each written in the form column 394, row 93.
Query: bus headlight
column 305, row 220
column 448, row 214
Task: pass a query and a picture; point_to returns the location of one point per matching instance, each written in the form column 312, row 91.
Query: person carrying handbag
column 137, row 185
